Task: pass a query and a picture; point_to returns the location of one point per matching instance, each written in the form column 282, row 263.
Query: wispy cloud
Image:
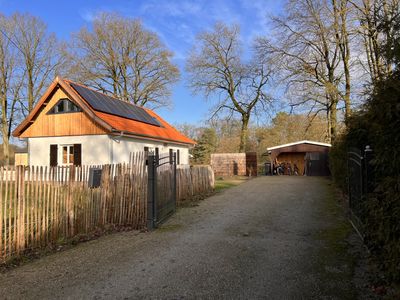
column 178, row 22
column 177, row 8
column 89, row 15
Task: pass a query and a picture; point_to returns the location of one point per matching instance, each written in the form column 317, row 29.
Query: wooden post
column 2, row 202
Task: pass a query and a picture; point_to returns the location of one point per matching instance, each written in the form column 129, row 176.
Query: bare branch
column 216, row 67
column 121, row 57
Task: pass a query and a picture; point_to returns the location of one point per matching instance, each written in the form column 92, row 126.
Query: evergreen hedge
column 377, row 125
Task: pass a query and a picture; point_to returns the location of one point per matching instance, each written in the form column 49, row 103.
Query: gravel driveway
column 271, row 237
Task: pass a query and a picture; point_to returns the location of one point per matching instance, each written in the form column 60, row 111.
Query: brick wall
column 232, row 164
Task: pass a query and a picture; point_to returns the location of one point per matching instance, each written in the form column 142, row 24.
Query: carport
column 301, row 158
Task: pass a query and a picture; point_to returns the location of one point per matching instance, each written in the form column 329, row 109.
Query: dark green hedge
column 377, row 125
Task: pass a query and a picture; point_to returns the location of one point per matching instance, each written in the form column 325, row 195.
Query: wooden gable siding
column 63, row 124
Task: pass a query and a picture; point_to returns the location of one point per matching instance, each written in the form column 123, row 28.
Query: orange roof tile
column 166, row 132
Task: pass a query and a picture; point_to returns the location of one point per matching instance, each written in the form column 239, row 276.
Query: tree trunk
column 333, row 117
column 4, row 121
column 347, row 101
column 30, row 89
column 244, row 133
column 328, row 123
column 345, row 50
column 6, row 143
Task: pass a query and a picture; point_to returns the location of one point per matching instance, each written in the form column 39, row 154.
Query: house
column 73, row 124
column 307, row 157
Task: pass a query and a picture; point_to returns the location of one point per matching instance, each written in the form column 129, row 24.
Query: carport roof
column 300, row 142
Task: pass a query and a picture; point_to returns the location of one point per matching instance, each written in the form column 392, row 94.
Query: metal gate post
column 174, row 185
column 349, row 180
column 367, row 170
column 151, row 191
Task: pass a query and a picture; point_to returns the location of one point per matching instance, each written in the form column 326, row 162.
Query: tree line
column 117, row 56
column 326, row 55
column 321, row 56
column 223, row 135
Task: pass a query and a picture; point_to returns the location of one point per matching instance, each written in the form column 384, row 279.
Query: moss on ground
column 169, row 227
column 333, row 261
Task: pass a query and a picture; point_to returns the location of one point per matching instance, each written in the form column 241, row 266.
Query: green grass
column 226, row 183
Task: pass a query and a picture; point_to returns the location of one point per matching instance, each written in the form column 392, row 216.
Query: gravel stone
column 268, row 238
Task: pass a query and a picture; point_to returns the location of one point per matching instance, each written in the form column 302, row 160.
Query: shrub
column 377, row 125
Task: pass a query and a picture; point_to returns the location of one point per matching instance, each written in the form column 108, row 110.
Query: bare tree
column 10, row 82
column 341, row 10
column 119, row 56
column 307, row 47
column 41, row 56
column 216, row 68
column 190, row 130
column 378, row 20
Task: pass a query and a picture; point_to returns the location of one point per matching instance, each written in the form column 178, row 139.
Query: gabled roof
column 118, row 118
column 300, row 142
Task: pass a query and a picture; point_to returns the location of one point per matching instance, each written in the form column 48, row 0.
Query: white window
column 67, row 154
column 64, row 106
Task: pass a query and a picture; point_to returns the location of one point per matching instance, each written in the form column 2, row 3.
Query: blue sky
column 176, row 22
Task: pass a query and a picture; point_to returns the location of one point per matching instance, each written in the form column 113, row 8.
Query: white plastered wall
column 122, row 146
column 98, row 149
column 95, row 149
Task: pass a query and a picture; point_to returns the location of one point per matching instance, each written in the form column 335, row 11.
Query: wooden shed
column 306, row 157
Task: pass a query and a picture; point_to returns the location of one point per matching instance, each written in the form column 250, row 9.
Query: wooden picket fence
column 193, row 181
column 42, row 206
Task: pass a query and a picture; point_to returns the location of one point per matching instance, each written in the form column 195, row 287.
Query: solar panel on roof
column 110, row 105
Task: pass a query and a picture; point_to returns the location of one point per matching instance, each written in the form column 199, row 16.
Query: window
column 67, row 154
column 157, row 153
column 64, row 106
column 146, row 155
column 178, row 157
column 171, row 156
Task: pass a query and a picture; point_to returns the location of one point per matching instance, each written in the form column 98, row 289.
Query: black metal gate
column 360, row 181
column 161, row 193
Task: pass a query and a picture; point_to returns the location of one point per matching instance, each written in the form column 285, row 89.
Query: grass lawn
column 228, row 182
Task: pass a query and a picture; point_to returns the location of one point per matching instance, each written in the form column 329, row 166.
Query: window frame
column 52, row 112
column 61, row 154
